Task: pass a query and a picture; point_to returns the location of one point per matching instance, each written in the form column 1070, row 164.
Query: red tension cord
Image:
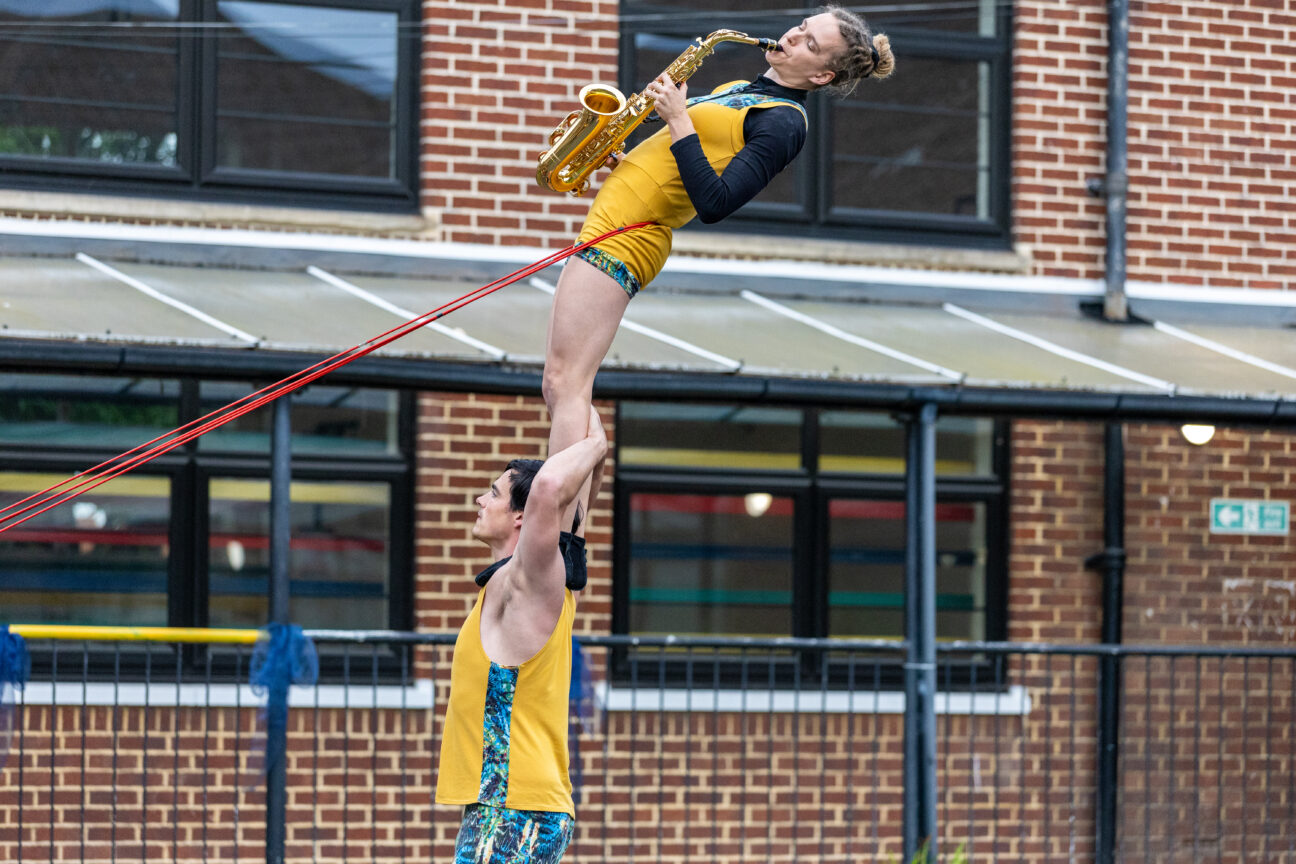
column 91, row 478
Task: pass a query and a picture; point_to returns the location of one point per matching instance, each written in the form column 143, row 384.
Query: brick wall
column 1056, row 523
column 1212, row 139
column 1195, row 733
column 497, row 78
column 1184, row 584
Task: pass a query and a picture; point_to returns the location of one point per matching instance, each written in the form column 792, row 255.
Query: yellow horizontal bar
column 136, row 634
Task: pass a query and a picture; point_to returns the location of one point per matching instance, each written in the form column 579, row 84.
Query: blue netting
column 15, row 669
column 284, row 655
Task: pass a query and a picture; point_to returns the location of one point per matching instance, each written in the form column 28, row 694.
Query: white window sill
column 416, row 697
column 1013, row 702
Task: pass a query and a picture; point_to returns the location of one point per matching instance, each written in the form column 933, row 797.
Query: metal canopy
column 1037, row 344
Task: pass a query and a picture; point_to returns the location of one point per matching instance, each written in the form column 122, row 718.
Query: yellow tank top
column 533, row 728
column 646, row 186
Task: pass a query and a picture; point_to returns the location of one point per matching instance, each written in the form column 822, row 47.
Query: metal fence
column 696, row 751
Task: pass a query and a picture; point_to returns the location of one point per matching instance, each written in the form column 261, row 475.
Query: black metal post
column 1115, row 303
column 280, row 560
column 1111, row 561
column 920, row 631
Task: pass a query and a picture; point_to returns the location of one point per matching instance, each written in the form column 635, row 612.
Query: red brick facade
column 1212, row 140
column 497, row 78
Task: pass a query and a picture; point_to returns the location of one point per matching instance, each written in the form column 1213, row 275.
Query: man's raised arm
column 555, row 486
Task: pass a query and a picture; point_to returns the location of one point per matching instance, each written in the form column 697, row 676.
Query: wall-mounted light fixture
column 1197, row 433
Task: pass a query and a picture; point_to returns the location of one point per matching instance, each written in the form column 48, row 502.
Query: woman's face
column 808, row 51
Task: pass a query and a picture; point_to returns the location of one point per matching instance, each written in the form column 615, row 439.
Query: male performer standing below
column 504, row 746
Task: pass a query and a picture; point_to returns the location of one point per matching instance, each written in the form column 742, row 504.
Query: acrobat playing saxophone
column 588, row 136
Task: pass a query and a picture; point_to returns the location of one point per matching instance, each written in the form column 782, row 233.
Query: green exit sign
column 1241, row 516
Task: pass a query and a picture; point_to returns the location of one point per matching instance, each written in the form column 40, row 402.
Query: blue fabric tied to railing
column 581, row 717
column 283, row 656
column 15, row 669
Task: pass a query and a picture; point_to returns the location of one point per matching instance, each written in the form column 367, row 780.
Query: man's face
column 495, row 521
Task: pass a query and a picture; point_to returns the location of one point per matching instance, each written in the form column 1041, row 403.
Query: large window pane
column 43, row 411
column 708, row 436
column 99, row 559
column 339, row 561
column 860, row 442
column 306, row 89
column 711, row 564
column 336, row 421
column 866, row 569
column 909, row 146
column 93, row 81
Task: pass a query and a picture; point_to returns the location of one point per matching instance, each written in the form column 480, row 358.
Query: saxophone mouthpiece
column 769, row 45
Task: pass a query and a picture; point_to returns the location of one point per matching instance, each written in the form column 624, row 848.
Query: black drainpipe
column 1115, row 304
column 1111, row 561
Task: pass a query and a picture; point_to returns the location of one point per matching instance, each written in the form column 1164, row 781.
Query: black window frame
column 812, row 492
column 190, row 469
column 813, row 167
column 196, row 175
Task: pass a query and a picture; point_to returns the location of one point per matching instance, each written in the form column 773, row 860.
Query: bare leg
column 586, row 312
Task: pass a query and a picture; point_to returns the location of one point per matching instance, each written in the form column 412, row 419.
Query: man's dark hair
column 521, row 473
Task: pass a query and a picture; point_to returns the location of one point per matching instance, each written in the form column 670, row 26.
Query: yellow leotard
column 646, row 187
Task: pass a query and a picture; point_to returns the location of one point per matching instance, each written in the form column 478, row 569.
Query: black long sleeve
column 773, row 138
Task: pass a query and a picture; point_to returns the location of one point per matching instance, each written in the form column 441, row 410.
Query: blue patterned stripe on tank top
column 500, row 686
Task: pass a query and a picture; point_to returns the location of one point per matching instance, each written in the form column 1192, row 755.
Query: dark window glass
column 337, row 421
column 711, row 564
column 339, row 553
column 95, row 82
column 306, row 89
column 100, row 559
column 184, row 540
column 223, row 98
column 732, row 520
column 866, row 569
column 64, row 411
column 709, row 436
column 249, row 433
column 860, row 442
column 908, row 146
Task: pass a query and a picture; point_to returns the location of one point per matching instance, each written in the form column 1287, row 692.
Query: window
column 227, row 98
column 183, row 540
column 921, row 157
column 772, row 522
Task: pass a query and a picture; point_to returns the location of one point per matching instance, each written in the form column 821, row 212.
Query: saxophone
column 584, row 140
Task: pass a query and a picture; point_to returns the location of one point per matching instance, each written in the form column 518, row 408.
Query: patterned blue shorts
column 497, row 835
column 612, row 266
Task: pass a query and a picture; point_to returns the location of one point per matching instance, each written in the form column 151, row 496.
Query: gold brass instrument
column 587, row 137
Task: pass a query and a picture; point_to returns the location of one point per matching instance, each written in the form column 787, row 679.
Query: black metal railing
column 697, row 750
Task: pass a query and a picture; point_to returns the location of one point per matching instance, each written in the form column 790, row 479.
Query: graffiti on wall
column 1262, row 606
